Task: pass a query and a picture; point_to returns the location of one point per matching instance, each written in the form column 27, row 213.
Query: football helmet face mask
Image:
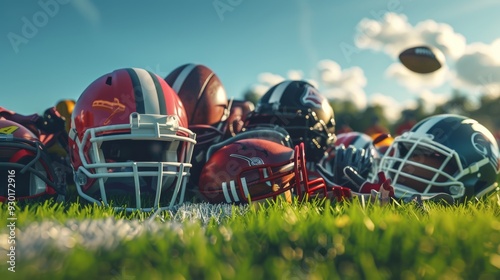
column 26, row 168
column 302, row 111
column 443, row 154
column 257, row 169
column 129, row 135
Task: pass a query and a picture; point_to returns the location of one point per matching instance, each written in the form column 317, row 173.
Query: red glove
column 381, row 190
column 382, row 184
column 339, row 193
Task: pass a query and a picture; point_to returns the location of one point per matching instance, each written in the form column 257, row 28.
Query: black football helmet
column 445, row 153
column 298, row 107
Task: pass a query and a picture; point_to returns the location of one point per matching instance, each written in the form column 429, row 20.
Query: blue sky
column 53, row 49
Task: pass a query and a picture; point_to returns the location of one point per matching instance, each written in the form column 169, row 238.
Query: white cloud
column 348, row 84
column 479, row 68
column 333, row 82
column 295, row 74
column 431, row 100
column 417, row 82
column 270, row 79
column 355, row 95
column 260, row 89
column 392, row 108
column 266, row 80
column 387, row 34
column 393, row 34
column 341, row 84
column 329, row 71
column 474, row 68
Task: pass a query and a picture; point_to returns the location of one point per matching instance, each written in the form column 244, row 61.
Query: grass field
column 279, row 241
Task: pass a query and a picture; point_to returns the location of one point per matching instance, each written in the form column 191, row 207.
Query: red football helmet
column 129, row 135
column 26, row 168
column 257, row 169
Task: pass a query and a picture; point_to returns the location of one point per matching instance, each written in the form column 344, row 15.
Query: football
column 201, row 92
column 422, row 59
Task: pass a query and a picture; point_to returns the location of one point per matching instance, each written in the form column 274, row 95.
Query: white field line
column 106, row 234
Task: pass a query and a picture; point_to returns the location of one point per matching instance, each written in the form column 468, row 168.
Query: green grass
column 280, row 241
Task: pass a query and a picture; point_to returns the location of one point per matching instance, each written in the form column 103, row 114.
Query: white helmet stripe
column 245, row 187
column 149, row 94
column 278, row 92
column 426, row 126
column 182, row 77
column 226, row 193
column 233, row 191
